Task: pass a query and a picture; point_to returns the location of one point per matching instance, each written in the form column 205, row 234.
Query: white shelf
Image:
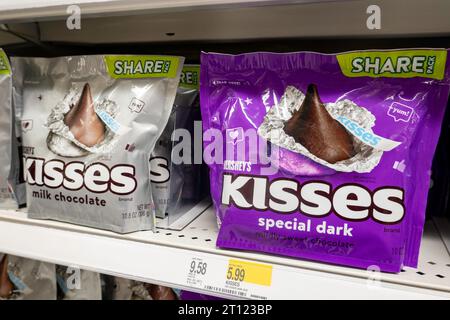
column 165, row 257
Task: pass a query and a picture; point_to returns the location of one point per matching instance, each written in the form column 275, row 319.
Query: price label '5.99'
column 250, row 272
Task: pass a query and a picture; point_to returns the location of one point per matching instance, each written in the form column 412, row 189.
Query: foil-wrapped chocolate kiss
column 314, row 128
column 84, row 122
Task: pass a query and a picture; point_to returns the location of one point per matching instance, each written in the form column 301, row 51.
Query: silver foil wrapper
column 62, row 142
column 366, row 158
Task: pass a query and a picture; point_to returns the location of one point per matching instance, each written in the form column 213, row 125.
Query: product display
column 325, row 156
column 12, row 188
column 89, row 124
column 168, row 177
column 76, row 284
column 26, row 279
column 246, row 150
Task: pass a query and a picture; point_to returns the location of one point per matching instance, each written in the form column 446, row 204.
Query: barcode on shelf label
column 250, row 272
column 225, row 291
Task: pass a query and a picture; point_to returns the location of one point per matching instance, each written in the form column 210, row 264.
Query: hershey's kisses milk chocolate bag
column 88, row 125
column 351, row 138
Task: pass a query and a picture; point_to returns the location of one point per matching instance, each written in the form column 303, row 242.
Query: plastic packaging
column 26, row 279
column 350, row 139
column 167, row 179
column 76, row 284
column 12, row 187
column 89, row 124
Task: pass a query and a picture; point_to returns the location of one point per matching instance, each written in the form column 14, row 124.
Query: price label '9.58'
column 198, row 267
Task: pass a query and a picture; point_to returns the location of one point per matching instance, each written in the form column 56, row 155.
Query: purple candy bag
column 324, row 156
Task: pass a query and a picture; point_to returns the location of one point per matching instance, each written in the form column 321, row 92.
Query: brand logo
column 377, row 65
column 95, row 177
column 394, row 64
column 360, row 132
column 351, row 202
column 142, row 66
column 4, row 64
column 366, row 136
column 190, row 76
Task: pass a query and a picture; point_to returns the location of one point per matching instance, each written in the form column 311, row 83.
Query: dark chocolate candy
column 83, row 122
column 6, row 286
column 314, row 128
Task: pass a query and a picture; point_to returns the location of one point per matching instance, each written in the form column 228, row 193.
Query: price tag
column 239, row 278
column 250, row 272
column 197, row 269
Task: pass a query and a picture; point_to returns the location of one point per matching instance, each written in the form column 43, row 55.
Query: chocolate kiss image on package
column 26, row 279
column 89, row 124
column 177, row 185
column 351, row 139
column 12, row 187
column 314, row 128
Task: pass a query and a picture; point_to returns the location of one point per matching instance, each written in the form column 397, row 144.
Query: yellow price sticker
column 250, row 272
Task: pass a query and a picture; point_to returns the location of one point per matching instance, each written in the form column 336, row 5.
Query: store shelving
column 165, row 257
column 119, row 21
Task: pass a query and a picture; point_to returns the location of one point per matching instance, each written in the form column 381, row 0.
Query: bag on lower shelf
column 116, row 288
column 89, row 124
column 26, row 279
column 12, row 187
column 325, row 156
column 76, row 284
column 161, row 292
